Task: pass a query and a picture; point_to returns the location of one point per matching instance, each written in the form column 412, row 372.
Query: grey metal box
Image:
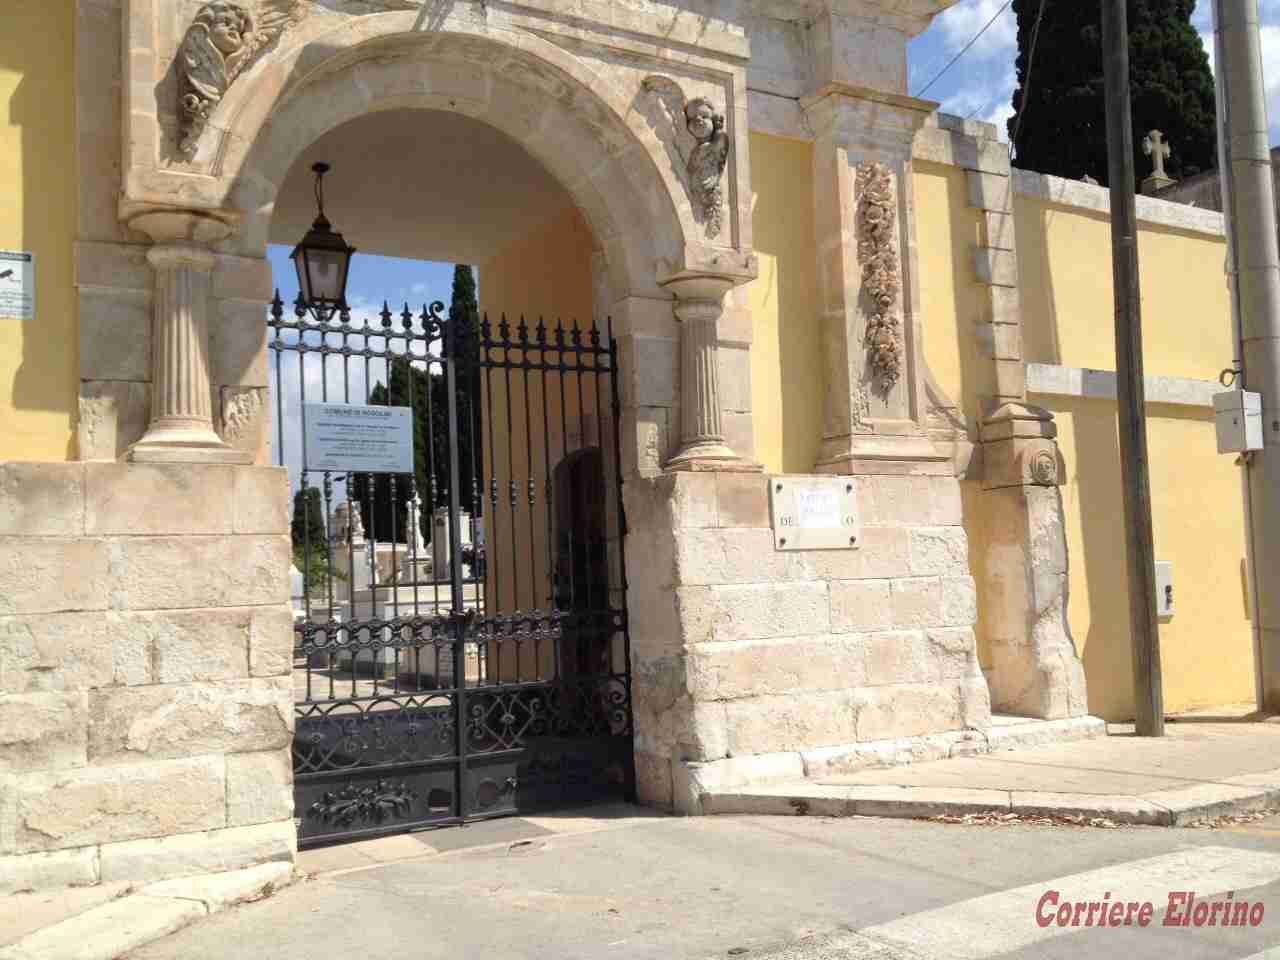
column 1238, row 418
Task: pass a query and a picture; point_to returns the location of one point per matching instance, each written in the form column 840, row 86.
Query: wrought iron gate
column 466, row 653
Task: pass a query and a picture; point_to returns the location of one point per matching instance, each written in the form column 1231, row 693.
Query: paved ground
column 622, row 883
column 1191, row 754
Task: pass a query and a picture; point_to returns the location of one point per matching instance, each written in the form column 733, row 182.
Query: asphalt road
column 762, row 887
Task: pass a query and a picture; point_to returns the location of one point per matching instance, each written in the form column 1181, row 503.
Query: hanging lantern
column 322, row 260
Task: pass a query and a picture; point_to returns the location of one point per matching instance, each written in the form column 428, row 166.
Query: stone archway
column 603, row 109
column 607, row 126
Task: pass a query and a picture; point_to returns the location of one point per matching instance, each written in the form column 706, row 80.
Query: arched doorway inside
column 462, row 648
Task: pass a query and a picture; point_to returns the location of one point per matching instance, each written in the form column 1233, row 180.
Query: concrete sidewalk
column 1200, row 769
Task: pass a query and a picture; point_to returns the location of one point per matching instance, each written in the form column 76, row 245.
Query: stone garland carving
column 697, row 133
column 224, row 39
column 881, row 282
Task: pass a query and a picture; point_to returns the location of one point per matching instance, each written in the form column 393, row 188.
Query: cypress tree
column 464, row 320
column 1060, row 127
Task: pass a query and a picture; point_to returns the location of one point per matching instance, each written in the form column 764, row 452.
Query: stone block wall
column 742, row 650
column 146, row 703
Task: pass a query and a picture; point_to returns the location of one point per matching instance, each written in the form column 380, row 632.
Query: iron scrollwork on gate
column 461, row 643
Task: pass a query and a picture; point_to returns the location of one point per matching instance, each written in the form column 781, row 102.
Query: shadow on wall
column 37, row 44
column 1033, row 220
column 1092, row 493
column 1206, row 646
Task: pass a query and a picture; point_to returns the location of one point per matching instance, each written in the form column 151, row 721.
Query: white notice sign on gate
column 347, row 437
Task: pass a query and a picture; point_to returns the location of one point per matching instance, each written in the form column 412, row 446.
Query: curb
column 148, row 913
column 693, row 779
column 1165, row 808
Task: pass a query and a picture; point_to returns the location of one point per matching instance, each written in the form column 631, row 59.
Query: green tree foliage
column 1060, row 127
column 307, row 527
column 310, row 546
column 426, row 391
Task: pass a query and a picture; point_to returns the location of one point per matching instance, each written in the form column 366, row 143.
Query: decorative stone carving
column 697, row 133
column 341, row 529
column 1044, row 469
column 881, row 281
column 348, row 527
column 223, row 40
column 356, row 531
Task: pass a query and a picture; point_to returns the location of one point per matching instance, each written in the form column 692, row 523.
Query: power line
column 976, row 38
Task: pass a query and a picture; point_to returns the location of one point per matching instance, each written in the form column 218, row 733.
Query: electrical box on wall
column 1238, row 417
column 1164, row 588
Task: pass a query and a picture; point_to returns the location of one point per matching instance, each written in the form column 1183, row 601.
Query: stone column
column 865, row 221
column 181, row 426
column 699, row 304
column 1036, row 671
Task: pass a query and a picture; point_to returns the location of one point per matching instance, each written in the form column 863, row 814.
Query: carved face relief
column 700, row 119
column 703, row 145
column 1044, row 469
column 226, row 30
column 221, row 43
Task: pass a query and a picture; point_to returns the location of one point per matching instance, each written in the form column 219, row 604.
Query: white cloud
column 986, row 95
column 961, row 23
column 981, row 84
column 1269, row 11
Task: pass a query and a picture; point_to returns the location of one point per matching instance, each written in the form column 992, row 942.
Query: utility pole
column 1147, row 692
column 1255, row 252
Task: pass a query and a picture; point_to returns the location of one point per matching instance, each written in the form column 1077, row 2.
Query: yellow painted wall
column 1065, row 282
column 786, row 350
column 1197, row 511
column 546, row 273
column 39, row 359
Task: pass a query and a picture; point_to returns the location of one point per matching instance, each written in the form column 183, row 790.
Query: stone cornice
column 912, row 15
column 846, row 91
column 1089, row 196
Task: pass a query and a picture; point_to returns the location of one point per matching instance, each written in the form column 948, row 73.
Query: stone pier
column 146, row 707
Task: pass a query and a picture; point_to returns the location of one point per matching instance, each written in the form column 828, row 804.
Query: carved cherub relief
column 223, row 40
column 696, row 132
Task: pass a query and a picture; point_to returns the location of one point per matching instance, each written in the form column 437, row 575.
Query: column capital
column 182, row 227
column 700, row 288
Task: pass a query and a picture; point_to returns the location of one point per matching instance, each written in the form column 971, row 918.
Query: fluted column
column 699, row 303
column 181, row 427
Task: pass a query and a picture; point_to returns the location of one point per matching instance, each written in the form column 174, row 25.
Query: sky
column 980, row 85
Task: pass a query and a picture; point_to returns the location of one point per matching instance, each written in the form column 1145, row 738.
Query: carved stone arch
column 568, row 117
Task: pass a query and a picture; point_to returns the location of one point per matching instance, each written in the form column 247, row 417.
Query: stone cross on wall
column 1153, row 146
